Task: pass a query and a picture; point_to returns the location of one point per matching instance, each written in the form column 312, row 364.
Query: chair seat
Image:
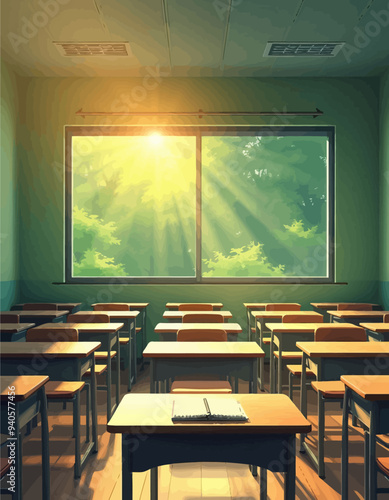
column 289, row 354
column 61, row 389
column 4, row 466
column 383, row 439
column 383, row 464
column 252, row 330
column 196, row 377
column 296, row 370
column 124, row 340
column 138, row 329
column 266, row 341
column 201, row 387
column 104, row 355
column 99, row 369
column 332, row 389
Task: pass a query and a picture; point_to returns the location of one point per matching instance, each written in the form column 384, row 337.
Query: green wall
column 384, row 191
column 9, row 245
column 50, row 103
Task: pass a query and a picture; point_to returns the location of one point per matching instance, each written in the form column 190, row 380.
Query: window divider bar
column 198, row 208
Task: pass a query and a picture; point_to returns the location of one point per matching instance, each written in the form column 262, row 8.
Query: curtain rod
column 200, row 113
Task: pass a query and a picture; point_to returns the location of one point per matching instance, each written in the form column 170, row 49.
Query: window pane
column 264, row 206
column 134, row 205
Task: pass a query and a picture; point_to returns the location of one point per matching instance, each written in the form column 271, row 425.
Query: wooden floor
column 101, row 478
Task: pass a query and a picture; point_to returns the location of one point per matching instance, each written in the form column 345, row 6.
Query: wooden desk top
column 48, row 349
column 174, row 327
column 15, row 327
column 253, row 305
column 370, row 387
column 111, row 314
column 180, row 314
column 344, row 349
column 303, row 327
column 376, row 327
column 85, row 327
column 37, row 314
column 176, row 304
column 358, row 314
column 141, row 305
column 25, row 385
column 280, row 314
column 203, row 350
column 328, row 306
column 268, row 414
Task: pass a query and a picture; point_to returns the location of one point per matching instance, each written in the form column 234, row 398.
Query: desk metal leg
column 263, row 484
column 94, row 405
column 372, row 454
column 117, row 370
column 272, row 371
column 143, row 315
column 303, row 395
column 154, row 483
column 45, row 447
column 126, row 471
column 109, row 384
column 259, row 334
column 253, row 386
column 134, row 350
column 290, row 475
column 366, row 460
column 279, row 377
column 153, row 385
column 344, row 462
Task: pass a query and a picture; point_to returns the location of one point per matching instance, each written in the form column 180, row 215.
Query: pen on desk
column 207, row 407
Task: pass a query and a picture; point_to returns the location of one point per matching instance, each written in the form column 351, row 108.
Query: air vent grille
column 302, row 49
column 93, row 49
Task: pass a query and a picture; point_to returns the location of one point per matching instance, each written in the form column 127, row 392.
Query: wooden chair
column 64, row 391
column 40, row 307
column 111, row 307
column 383, row 468
column 194, row 335
column 202, row 318
column 9, row 318
column 386, row 318
column 4, row 468
column 333, row 390
column 283, row 307
column 201, row 386
column 195, row 307
column 355, row 307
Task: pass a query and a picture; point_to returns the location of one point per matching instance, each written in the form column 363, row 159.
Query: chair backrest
column 40, row 307
column 386, row 318
column 302, row 318
column 340, row 334
column 195, row 307
column 355, row 307
column 202, row 318
column 87, row 318
column 282, row 307
column 54, row 335
column 9, row 318
column 111, row 307
column 194, row 335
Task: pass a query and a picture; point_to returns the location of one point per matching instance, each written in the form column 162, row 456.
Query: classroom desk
column 367, row 398
column 324, row 307
column 142, row 308
column 266, row 440
column 73, row 307
column 168, row 331
column 39, row 317
column 108, row 335
column 357, row 317
column 216, row 306
column 14, row 332
column 331, row 360
column 129, row 319
column 376, row 331
column 22, row 398
column 177, row 315
column 170, row 359
column 260, row 318
column 285, row 336
column 256, row 306
column 60, row 361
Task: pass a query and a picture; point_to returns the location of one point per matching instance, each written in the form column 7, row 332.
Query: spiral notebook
column 207, row 409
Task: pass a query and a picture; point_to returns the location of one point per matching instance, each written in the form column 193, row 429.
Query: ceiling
column 192, row 38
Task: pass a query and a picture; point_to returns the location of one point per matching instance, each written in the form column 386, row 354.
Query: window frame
column 198, row 132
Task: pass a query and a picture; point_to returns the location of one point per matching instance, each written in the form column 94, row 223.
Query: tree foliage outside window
column 200, row 205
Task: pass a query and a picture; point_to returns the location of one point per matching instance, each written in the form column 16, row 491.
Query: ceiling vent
column 93, row 49
column 302, row 49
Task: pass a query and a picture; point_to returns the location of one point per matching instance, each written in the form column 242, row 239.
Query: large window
column 199, row 205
